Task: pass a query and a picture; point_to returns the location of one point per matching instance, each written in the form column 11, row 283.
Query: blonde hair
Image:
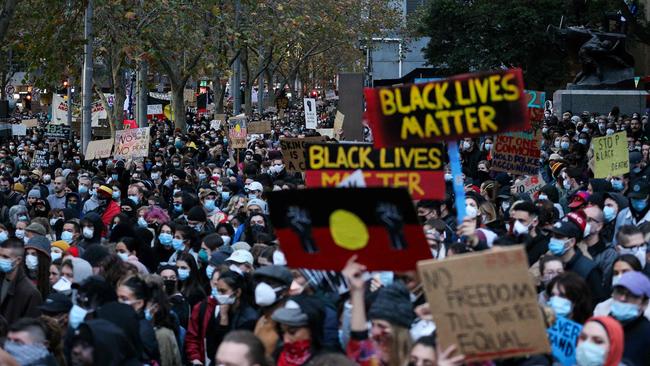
column 487, row 209
column 400, row 345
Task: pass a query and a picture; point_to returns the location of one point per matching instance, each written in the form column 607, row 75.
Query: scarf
column 295, row 353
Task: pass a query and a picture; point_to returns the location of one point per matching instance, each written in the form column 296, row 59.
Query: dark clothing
column 535, row 247
column 470, row 162
column 111, row 346
column 149, row 341
column 22, row 299
column 637, row 341
column 589, row 271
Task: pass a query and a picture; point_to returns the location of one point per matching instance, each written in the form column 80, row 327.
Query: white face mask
column 265, row 295
column 31, row 261
column 88, row 232
column 226, row 239
column 225, row 299
column 520, row 228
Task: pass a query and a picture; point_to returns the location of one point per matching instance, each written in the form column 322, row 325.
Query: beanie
column 34, row 193
column 393, row 304
column 615, row 333
column 40, row 243
column 94, row 254
column 36, row 228
column 196, row 213
column 61, row 244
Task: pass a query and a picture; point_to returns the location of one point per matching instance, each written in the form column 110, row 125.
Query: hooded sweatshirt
column 111, row 346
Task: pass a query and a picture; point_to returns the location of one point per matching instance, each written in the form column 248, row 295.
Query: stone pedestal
column 601, row 101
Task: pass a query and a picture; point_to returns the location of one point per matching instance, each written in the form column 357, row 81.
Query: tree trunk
column 269, row 81
column 178, row 106
column 6, row 14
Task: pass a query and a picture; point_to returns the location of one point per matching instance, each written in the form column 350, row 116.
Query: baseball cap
column 56, row 303
column 291, row 314
column 567, row 229
column 635, row 282
column 579, row 199
column 278, row 273
column 639, row 189
column 256, row 186
column 241, row 256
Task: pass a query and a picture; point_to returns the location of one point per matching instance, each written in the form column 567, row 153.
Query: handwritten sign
column 293, row 152
column 338, row 121
column 154, row 109
column 19, row 130
column 529, row 185
column 259, row 127
column 132, row 143
column 311, row 119
column 29, row 123
column 610, row 155
column 321, row 228
column 485, row 304
column 237, row 132
column 419, row 169
column 462, row 106
column 516, row 153
column 329, row 132
column 563, row 336
column 536, row 103
column 40, row 159
column 99, row 149
column 57, row 132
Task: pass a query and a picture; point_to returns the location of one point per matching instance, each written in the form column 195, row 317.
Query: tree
column 488, row 34
column 6, row 14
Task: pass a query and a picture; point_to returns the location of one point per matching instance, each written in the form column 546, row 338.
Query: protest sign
column 610, row 155
column 237, row 132
column 259, row 127
column 322, row 228
column 563, row 336
column 40, row 159
column 329, row 132
column 311, row 119
column 338, row 121
column 153, row 109
column 98, row 112
column 215, row 124
column 419, row 169
column 131, row 143
column 29, row 123
column 59, row 110
column 57, row 132
column 462, row 106
column 355, row 179
column 529, row 185
column 485, row 304
column 516, row 153
column 129, row 123
column 536, row 102
column 99, row 149
column 330, row 95
column 293, row 152
column 19, row 130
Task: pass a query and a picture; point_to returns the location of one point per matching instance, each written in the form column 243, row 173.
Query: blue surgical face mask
column 209, row 205
column 142, row 222
column 623, row 311
column 556, row 246
column 165, row 239
column 76, row 316
column 178, row 207
column 116, row 195
column 582, row 141
column 589, row 353
column 225, row 196
column 638, row 204
column 617, row 185
column 135, row 199
column 214, row 293
column 209, row 271
column 83, row 189
column 66, row 236
column 636, row 170
column 6, row 265
column 564, row 145
column 560, row 305
column 3, row 236
column 177, row 244
column 183, row 274
column 148, row 315
column 609, row 213
column 202, row 176
column 114, row 176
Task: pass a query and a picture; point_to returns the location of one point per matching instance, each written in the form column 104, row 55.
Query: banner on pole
column 59, row 110
column 98, row 112
column 237, row 132
column 467, row 105
column 419, row 169
column 131, row 143
column 311, row 118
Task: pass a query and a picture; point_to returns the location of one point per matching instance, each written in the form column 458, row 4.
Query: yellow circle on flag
column 348, row 230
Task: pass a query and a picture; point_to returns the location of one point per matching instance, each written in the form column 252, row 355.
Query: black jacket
column 637, row 341
column 111, row 346
column 22, row 300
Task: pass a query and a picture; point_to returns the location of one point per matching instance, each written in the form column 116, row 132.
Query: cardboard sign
column 311, row 119
column 293, row 152
column 516, row 153
column 259, row 127
column 322, row 228
column 237, row 132
column 99, row 149
column 485, row 304
column 563, row 336
column 338, row 121
column 329, row 132
column 610, row 155
column 19, row 130
column 29, row 123
column 57, row 132
column 40, row 159
column 132, row 143
column 467, row 105
column 419, row 169
column 530, row 185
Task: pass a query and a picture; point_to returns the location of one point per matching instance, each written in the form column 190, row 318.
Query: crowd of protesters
column 172, row 259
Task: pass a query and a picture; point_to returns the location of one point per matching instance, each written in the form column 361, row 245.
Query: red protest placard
column 467, row 105
column 418, row 169
column 322, row 228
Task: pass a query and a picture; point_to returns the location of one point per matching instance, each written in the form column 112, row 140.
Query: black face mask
column 170, row 287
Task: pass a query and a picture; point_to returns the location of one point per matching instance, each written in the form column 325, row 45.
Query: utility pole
column 236, row 77
column 260, row 91
column 69, row 91
column 142, row 93
column 87, row 77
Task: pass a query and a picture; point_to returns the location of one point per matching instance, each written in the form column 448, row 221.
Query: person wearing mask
column 179, row 305
column 91, row 230
column 549, row 268
column 27, row 343
column 570, row 297
column 600, row 343
column 272, row 284
column 136, row 195
column 524, row 222
column 226, row 309
column 18, row 295
column 71, row 233
column 623, row 264
column 189, row 279
column 593, row 246
column 301, row 325
column 471, row 156
column 638, row 211
column 163, row 244
column 241, row 261
column 630, row 240
column 565, row 235
column 102, row 343
column 107, row 207
column 242, row 348
column 198, row 221
column 391, row 315
column 92, row 201
column 165, row 323
column 630, row 300
column 37, row 263
column 58, row 198
column 613, row 204
column 135, row 292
